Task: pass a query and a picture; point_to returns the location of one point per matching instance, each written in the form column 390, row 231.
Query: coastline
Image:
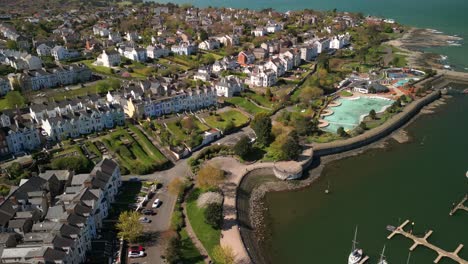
column 257, row 209
column 253, row 218
column 415, row 40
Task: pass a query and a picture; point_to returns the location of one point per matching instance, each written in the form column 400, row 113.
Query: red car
column 136, row 248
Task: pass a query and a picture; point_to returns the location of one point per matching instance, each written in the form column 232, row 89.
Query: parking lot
column 156, row 229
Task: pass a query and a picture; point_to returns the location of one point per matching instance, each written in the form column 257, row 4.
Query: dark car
column 147, row 212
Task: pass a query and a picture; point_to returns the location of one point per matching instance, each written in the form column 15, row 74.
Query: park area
column 188, row 130
column 245, row 105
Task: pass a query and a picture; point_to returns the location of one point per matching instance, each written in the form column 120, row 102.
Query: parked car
column 147, row 212
column 136, row 254
column 136, row 248
column 144, row 220
column 134, row 179
column 156, row 203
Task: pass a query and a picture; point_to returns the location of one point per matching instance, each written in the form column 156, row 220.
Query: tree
column 176, row 186
column 304, row 126
column 341, row 132
column 363, row 125
column 223, row 254
column 291, row 148
column 243, row 147
column 309, row 93
column 268, row 93
column 11, row 44
column 261, row 124
column 129, row 226
column 17, row 172
column 76, row 163
column 173, row 254
column 14, row 99
column 188, row 123
column 209, row 177
column 373, row 114
column 214, row 215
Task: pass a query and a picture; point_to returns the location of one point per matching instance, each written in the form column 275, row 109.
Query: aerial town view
column 214, row 131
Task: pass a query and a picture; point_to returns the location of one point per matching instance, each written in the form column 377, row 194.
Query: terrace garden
column 136, row 154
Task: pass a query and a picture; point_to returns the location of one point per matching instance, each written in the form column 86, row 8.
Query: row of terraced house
column 53, row 217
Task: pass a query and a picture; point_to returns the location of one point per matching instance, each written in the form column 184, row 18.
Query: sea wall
column 377, row 133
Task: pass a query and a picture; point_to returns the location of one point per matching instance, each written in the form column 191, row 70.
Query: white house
column 273, row 27
column 209, row 44
column 23, row 138
column 43, row 50
column 259, row 32
column 135, row 54
column 228, row 86
column 109, row 58
column 338, row 42
column 263, row 77
column 184, row 48
column 115, row 37
column 156, row 51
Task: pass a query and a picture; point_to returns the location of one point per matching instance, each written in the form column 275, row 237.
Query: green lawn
column 221, row 120
column 246, row 105
column 188, row 250
column 92, row 148
column 260, row 100
column 138, row 157
column 102, row 86
column 73, row 150
column 208, row 236
column 345, row 93
column 147, row 145
column 98, row 69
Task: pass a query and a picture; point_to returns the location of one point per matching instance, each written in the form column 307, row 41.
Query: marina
column 460, row 206
column 422, row 241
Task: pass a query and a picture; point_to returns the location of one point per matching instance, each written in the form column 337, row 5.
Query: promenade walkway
column 230, row 235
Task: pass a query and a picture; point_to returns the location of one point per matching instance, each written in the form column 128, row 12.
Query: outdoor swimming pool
column 401, row 82
column 348, row 114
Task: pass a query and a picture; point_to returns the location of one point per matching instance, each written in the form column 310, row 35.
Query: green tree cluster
column 243, row 147
column 129, row 226
column 261, row 124
column 76, row 163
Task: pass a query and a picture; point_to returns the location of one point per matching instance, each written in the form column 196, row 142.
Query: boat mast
column 382, row 256
column 409, row 256
column 354, row 240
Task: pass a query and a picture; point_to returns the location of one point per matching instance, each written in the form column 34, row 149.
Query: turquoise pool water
column 401, row 82
column 349, row 113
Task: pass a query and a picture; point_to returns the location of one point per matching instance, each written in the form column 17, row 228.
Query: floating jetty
column 460, row 206
column 366, row 258
column 422, row 241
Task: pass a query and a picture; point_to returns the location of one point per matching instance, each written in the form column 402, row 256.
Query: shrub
column 214, row 215
column 77, row 164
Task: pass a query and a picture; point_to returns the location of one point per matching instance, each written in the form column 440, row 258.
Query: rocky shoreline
column 413, row 43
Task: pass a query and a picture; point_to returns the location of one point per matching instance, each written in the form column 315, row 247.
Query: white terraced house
column 83, row 122
column 40, row 79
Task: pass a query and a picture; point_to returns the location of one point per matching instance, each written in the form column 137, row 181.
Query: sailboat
column 382, row 259
column 356, row 254
column 327, row 191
